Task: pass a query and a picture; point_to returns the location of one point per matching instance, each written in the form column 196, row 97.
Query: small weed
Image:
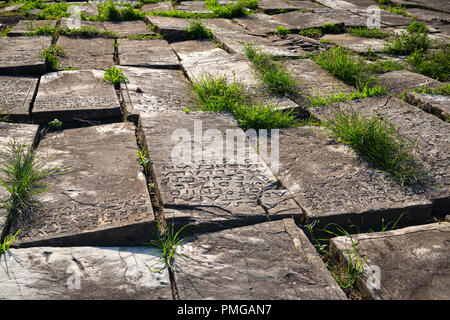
column 114, row 76
column 180, row 14
column 145, row 36
column 7, row 242
column 417, row 27
column 282, row 31
column 143, row 160
column 368, row 33
column 55, row 125
column 395, row 9
column 51, row 56
column 197, row 30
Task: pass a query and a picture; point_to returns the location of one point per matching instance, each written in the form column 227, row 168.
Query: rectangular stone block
column 100, row 199
column 72, row 95
column 192, row 6
column 397, row 81
column 16, row 94
column 128, row 28
column 358, row 44
column 298, row 20
column 404, row 264
column 434, row 104
column 265, row 261
column 275, row 6
column 158, row 6
column 25, row 26
column 147, row 53
column 172, row 28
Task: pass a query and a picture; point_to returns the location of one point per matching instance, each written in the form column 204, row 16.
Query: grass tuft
column 114, row 76
column 197, row 30
column 51, row 56
column 368, row 33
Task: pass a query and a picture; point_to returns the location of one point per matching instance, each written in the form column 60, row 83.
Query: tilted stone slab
column 128, row 28
column 434, row 104
column 25, row 26
column 298, row 20
column 397, row 81
column 147, row 53
column 22, row 55
column 101, row 199
column 265, row 261
column 202, row 186
column 71, row 95
column 155, row 90
column 171, row 28
column 16, row 94
column 333, row 184
column 83, row 273
column 407, row 264
column 82, row 54
column 358, row 44
column 431, row 134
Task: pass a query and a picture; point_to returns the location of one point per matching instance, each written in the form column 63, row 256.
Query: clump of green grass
column 53, row 11
column 272, row 74
column 368, row 33
column 379, row 142
column 416, row 26
column 443, row 90
column 55, row 124
column 197, row 30
column 232, row 10
column 109, row 12
column 51, row 56
column 86, row 32
column 282, row 30
column 332, row 28
column 180, row 14
column 405, row 43
column 383, row 66
column 7, row 242
column 114, row 76
column 395, row 9
column 311, row 32
column 319, row 100
column 435, row 64
column 41, row 30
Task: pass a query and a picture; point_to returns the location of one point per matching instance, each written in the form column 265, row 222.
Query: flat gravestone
column 102, row 197
column 272, row 260
column 158, row 6
column 331, row 183
column 22, row 55
column 192, row 6
column 298, row 20
column 83, row 273
column 405, row 264
column 128, row 28
column 358, row 44
column 82, row 54
column 16, row 94
column 147, row 53
column 171, row 28
column 397, row 81
column 25, row 26
column 211, row 184
column 22, row 133
column 431, row 135
column 155, row 90
column 435, row 104
column 72, row 95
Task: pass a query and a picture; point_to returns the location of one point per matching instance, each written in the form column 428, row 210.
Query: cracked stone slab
column 22, row 133
column 25, row 26
column 431, row 134
column 435, row 104
column 358, row 44
column 332, row 183
column 82, row 273
column 22, row 55
column 204, row 182
column 155, row 90
column 297, row 20
column 409, row 263
column 171, row 28
column 16, row 94
column 128, row 28
column 102, row 197
column 76, row 94
column 82, row 54
column 397, row 81
column 147, row 53
column 265, row 261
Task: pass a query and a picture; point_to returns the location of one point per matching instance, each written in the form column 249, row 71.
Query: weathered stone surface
column 397, row 81
column 361, row 4
column 192, row 6
column 25, row 26
column 349, row 18
column 298, row 20
column 209, row 185
column 272, row 260
column 431, row 134
column 128, row 28
column 147, row 53
column 155, row 90
column 159, row 6
column 80, row 273
column 275, row 6
column 413, row 262
column 22, row 55
column 16, row 94
column 102, row 199
column 387, row 18
column 14, row 7
column 436, row 5
column 435, row 104
column 82, row 54
column 428, row 15
column 70, row 95
column 22, row 133
column 332, row 183
column 171, row 28
column 73, row 23
column 338, row 4
column 357, row 44
column 259, row 24
column 89, row 10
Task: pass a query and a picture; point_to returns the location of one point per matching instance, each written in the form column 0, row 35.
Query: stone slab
column 88, row 9
column 331, row 183
column 275, row 6
column 25, row 26
column 360, row 4
column 358, row 44
column 192, row 6
column 155, row 90
column 431, row 134
column 12, row 8
column 266, row 261
column 170, row 28
column 158, row 6
column 147, row 53
column 413, row 262
column 71, row 23
column 203, row 187
column 397, row 81
column 71, row 95
column 298, row 20
column 428, row 15
column 101, row 199
column 101, row 273
column 22, row 55
column 387, row 18
column 435, row 104
column 436, row 5
column 349, row 18
column 128, row 28
column 16, row 94
column 82, row 54
column 259, row 24
column 338, row 4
